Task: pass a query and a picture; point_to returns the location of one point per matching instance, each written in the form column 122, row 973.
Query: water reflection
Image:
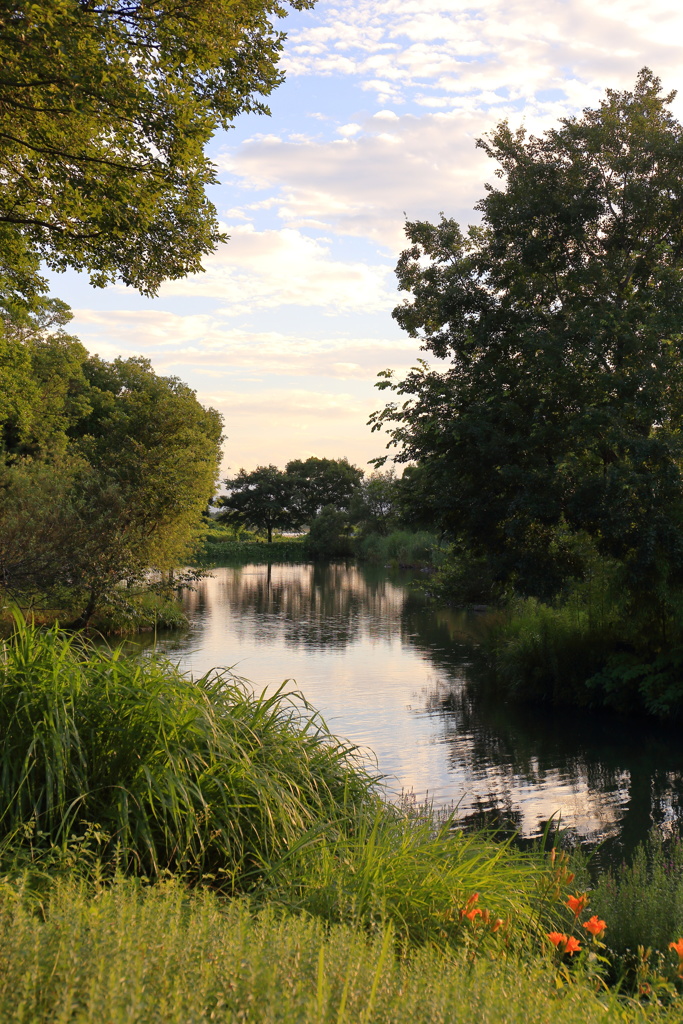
column 395, row 676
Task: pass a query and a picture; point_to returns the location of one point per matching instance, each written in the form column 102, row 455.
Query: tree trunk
column 84, row 618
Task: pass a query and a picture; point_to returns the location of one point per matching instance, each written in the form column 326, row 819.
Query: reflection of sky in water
column 388, row 675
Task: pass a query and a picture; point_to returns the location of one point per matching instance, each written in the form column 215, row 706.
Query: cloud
column 522, row 46
column 211, row 345
column 363, row 185
column 284, row 267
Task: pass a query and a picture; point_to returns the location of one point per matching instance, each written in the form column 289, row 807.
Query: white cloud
column 394, row 46
column 274, row 268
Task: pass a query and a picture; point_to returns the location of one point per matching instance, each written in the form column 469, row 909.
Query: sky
column 289, row 325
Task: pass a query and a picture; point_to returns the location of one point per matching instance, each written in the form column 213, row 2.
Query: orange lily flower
column 595, row 926
column 564, row 943
column 471, row 914
column 678, row 946
column 577, row 903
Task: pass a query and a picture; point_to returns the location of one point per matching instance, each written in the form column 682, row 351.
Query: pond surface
column 394, row 675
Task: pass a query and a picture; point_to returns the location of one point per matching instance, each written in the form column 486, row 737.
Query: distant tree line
column 326, row 497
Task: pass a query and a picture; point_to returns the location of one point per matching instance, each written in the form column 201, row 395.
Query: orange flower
column 496, row 924
column 577, row 903
column 595, row 926
column 467, row 909
column 564, row 943
column 678, row 946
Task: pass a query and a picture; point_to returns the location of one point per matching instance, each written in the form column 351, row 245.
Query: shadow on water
column 393, row 664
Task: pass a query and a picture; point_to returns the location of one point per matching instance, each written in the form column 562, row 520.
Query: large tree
column 261, row 499
column 319, row 482
column 105, row 109
column 560, row 316
column 105, row 468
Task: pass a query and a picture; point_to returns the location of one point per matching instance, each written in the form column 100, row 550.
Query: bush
column 399, row 548
column 193, row 776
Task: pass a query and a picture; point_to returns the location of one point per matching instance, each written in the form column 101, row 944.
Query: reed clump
column 162, row 772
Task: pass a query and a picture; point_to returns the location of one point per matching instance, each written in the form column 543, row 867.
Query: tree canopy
column 268, row 498
column 561, row 317
column 105, row 109
column 105, row 468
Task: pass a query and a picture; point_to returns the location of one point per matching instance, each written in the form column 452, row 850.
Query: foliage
column 329, row 535
column 643, row 900
column 261, row 500
column 549, row 654
column 375, row 505
column 105, row 468
column 105, row 110
column 270, row 499
column 562, row 318
column 320, row 482
column 400, row 548
column 464, row 579
column 134, row 955
column 197, row 777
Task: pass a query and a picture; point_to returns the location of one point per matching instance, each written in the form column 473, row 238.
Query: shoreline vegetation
column 231, row 859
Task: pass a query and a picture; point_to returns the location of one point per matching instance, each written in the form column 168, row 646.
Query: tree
column 561, row 316
column 107, row 467
column 320, row 482
column 261, row 500
column 375, row 505
column 105, row 109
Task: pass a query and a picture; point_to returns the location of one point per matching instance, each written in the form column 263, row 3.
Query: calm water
column 392, row 675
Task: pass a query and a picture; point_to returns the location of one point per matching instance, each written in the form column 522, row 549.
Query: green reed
column 195, row 776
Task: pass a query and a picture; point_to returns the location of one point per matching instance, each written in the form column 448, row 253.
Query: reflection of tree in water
column 636, row 765
column 319, row 606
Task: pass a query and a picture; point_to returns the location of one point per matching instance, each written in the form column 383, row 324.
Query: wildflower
column 467, row 909
column 595, row 926
column 496, row 924
column 678, row 947
column 577, row 903
column 564, row 943
column 471, row 914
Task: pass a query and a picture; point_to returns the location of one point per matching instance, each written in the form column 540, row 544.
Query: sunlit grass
column 129, row 955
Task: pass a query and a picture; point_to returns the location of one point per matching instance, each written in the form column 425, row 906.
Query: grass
column 160, row 955
column 398, row 548
column 190, row 776
column 180, row 850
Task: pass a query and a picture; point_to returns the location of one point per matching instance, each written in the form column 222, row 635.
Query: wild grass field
column 184, row 850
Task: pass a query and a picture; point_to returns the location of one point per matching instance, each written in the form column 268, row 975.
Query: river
column 394, row 675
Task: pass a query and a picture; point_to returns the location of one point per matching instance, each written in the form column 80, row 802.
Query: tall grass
column 416, row 875
column 400, row 547
column 130, row 955
column 192, row 776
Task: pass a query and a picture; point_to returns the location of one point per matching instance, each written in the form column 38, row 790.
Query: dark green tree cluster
column 269, row 498
column 105, row 109
column 105, row 468
column 559, row 412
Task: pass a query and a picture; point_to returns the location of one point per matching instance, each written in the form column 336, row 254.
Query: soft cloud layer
column 274, row 268
column 289, row 325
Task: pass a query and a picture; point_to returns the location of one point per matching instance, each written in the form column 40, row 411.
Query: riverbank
column 146, row 612
column 174, row 850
